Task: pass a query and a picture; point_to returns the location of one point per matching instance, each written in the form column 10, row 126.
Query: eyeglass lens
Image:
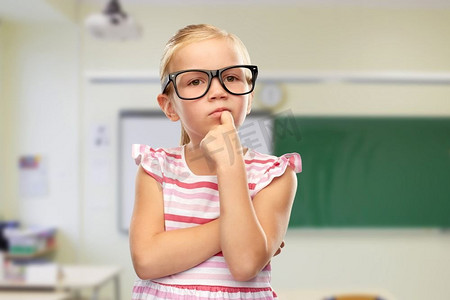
column 194, row 84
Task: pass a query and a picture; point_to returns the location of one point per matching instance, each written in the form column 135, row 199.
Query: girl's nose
column 216, row 90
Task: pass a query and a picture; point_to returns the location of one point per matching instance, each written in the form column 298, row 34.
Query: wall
column 41, row 101
column 409, row 264
column 282, row 39
column 290, row 37
column 3, row 204
column 8, row 182
column 49, row 112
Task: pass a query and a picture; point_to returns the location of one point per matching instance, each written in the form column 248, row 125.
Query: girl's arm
column 157, row 253
column 250, row 231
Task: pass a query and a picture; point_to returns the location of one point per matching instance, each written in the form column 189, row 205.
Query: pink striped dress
column 191, row 200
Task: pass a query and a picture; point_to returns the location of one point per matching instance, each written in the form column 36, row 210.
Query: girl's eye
column 230, row 78
column 195, row 82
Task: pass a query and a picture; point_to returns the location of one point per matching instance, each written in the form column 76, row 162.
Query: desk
column 77, row 277
column 74, row 278
column 21, row 295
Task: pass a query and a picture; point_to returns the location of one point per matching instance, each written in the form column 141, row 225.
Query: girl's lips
column 218, row 112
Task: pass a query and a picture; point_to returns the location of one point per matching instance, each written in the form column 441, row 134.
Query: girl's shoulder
column 157, row 162
column 267, row 162
column 143, row 153
column 263, row 168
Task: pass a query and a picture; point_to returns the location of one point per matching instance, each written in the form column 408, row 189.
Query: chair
column 354, row 297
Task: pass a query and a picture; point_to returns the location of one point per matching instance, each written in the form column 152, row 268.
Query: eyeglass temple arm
column 165, row 83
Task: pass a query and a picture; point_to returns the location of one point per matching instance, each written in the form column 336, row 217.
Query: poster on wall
column 33, row 176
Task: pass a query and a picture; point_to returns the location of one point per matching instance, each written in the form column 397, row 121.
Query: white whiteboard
column 154, row 129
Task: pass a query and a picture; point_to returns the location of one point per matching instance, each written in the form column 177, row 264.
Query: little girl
column 209, row 215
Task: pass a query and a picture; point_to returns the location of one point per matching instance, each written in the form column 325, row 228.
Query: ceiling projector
column 113, row 24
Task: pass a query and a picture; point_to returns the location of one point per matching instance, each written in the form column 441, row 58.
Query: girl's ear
column 167, row 107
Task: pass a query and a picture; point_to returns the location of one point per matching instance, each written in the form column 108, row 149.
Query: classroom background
column 62, row 90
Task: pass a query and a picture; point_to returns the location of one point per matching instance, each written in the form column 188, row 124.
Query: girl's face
column 201, row 115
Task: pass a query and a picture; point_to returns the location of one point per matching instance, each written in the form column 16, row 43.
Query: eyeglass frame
column 211, row 74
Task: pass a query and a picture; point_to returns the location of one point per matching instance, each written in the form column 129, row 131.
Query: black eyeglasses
column 194, row 84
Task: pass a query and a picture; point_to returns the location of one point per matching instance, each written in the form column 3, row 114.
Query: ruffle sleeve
column 150, row 159
column 274, row 167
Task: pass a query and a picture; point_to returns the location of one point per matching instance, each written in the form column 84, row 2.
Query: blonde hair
column 188, row 35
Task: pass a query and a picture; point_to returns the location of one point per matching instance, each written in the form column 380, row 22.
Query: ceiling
column 41, row 10
column 31, row 10
column 363, row 3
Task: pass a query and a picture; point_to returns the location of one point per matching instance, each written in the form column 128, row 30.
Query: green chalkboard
column 369, row 172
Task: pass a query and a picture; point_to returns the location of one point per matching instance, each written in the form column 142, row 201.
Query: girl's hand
column 221, row 145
